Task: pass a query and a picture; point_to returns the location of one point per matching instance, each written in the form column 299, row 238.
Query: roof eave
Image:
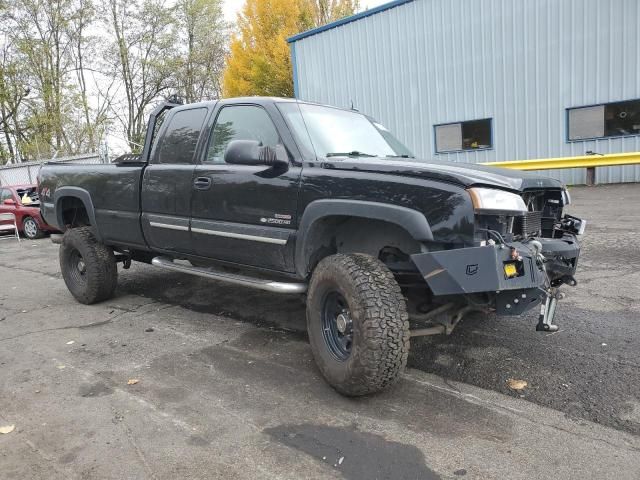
column 349, row 19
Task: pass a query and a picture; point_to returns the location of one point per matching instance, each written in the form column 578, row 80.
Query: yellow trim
column 585, row 161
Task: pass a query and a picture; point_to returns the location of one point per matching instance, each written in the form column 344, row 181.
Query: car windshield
column 334, row 132
column 28, row 196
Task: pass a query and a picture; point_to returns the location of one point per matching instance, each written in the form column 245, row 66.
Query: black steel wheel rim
column 77, row 268
column 337, row 328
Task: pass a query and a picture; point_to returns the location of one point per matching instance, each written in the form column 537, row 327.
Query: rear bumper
column 482, row 270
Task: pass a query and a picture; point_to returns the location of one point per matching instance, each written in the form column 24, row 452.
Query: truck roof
column 254, row 100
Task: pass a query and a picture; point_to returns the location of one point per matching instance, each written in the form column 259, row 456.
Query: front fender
column 410, row 220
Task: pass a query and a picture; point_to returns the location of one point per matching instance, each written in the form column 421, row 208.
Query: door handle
column 202, row 183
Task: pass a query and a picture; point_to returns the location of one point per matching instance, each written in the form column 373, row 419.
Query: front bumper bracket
column 483, row 269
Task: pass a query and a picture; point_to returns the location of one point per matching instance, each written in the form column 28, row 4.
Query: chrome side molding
column 260, row 284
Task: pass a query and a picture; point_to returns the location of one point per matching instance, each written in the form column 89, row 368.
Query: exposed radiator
column 528, row 225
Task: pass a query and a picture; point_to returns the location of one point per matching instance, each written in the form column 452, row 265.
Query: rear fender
column 81, row 194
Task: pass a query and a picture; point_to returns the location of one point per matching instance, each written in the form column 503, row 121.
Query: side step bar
column 268, row 285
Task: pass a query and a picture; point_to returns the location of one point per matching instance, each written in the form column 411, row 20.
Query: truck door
column 166, row 185
column 245, row 213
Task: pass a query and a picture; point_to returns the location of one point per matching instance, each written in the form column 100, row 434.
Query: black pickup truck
column 294, row 198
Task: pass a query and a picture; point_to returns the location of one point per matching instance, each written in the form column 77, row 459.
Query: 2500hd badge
column 277, row 219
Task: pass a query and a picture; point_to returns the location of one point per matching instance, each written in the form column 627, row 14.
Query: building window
column 461, row 136
column 616, row 119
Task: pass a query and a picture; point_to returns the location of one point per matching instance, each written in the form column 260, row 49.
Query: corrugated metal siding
column 522, row 63
column 27, row 172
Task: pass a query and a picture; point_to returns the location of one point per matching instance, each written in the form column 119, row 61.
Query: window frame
column 212, row 124
column 590, row 139
column 446, row 152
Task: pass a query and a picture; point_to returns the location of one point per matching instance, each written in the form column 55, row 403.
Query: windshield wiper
column 354, row 153
column 400, row 156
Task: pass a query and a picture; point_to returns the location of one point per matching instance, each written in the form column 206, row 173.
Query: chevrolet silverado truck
column 299, row 198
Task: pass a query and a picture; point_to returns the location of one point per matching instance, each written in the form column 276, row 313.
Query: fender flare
column 413, row 221
column 82, row 195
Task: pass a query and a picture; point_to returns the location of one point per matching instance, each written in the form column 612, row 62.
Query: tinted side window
column 178, row 143
column 241, row 122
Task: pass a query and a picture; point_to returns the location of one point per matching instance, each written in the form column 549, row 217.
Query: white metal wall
column 519, row 62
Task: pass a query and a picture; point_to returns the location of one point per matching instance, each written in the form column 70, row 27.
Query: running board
column 268, row 285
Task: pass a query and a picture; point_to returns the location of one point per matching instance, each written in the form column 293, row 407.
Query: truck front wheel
column 357, row 323
column 88, row 267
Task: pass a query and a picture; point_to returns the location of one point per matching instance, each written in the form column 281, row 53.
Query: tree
column 78, row 26
column 37, row 29
column 13, row 91
column 259, row 62
column 142, row 56
column 45, row 108
column 203, row 34
column 327, row 11
column 64, row 77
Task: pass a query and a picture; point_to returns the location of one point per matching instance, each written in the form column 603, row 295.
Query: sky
column 231, row 7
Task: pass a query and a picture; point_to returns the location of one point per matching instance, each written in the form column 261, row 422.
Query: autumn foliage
column 259, row 62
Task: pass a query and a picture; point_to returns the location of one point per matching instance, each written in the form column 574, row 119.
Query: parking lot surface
column 179, row 377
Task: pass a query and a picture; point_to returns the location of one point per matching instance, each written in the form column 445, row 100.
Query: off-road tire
column 100, row 277
column 380, row 323
column 34, row 232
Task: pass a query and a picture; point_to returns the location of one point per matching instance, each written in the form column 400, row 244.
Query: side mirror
column 9, row 201
column 249, row 152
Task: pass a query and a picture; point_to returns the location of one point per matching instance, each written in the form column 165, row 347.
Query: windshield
column 334, row 132
column 28, row 196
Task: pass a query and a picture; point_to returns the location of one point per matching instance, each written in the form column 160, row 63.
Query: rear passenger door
column 246, row 213
column 166, row 185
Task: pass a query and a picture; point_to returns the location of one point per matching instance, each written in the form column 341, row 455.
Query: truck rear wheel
column 88, row 267
column 357, row 323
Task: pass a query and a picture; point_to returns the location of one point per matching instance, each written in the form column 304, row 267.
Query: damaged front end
column 525, row 249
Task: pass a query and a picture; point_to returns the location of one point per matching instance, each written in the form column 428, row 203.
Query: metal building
column 487, row 80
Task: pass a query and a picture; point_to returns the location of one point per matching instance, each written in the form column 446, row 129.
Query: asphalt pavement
column 179, row 377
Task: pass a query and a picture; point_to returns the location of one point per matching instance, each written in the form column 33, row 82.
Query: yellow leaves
column 517, row 385
column 259, row 62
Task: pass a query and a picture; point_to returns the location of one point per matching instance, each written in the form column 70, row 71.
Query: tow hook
column 548, row 311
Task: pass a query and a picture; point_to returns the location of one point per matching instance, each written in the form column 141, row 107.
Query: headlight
column 494, row 201
column 566, row 198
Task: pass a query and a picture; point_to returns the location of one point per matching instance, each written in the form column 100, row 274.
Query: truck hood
column 466, row 174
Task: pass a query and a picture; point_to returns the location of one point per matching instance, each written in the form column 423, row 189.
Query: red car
column 23, row 202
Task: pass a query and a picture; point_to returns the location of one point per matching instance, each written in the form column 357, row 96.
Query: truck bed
column 114, row 190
